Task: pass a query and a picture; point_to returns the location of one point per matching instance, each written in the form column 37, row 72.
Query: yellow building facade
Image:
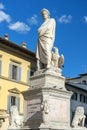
column 17, row 63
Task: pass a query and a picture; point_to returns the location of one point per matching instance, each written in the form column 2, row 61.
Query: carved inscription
column 33, row 107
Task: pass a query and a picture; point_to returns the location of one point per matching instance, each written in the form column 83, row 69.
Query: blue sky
column 20, row 19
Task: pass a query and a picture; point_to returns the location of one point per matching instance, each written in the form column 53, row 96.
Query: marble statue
column 16, row 121
column 61, row 61
column 46, row 37
column 56, row 59
column 79, row 118
column 45, row 111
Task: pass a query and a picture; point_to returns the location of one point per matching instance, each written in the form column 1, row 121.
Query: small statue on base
column 79, row 118
column 57, row 60
column 16, row 121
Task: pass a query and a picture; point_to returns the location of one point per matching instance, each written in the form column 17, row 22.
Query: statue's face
column 45, row 15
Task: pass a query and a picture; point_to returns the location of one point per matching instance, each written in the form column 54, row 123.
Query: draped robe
column 46, row 36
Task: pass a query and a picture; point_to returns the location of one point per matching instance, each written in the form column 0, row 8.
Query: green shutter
column 8, row 103
column 0, row 67
column 18, row 103
column 10, row 71
column 19, row 74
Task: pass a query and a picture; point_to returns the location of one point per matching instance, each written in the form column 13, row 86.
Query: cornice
column 19, row 82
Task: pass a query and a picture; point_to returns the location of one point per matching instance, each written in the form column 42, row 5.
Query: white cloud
column 19, row 27
column 4, row 17
column 33, row 20
column 85, row 18
column 1, row 6
column 65, row 19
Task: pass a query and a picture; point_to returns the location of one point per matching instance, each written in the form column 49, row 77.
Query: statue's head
column 80, row 110
column 45, row 13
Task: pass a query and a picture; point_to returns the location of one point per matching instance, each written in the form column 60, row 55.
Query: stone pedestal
column 47, row 101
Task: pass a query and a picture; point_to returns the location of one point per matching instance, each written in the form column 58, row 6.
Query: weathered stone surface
column 48, row 102
column 16, row 121
column 79, row 117
column 48, row 78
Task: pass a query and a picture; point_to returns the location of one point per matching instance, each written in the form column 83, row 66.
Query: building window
column 0, row 67
column 74, row 96
column 82, row 98
column 86, row 100
column 29, row 74
column 15, row 72
column 13, row 100
column 84, row 81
